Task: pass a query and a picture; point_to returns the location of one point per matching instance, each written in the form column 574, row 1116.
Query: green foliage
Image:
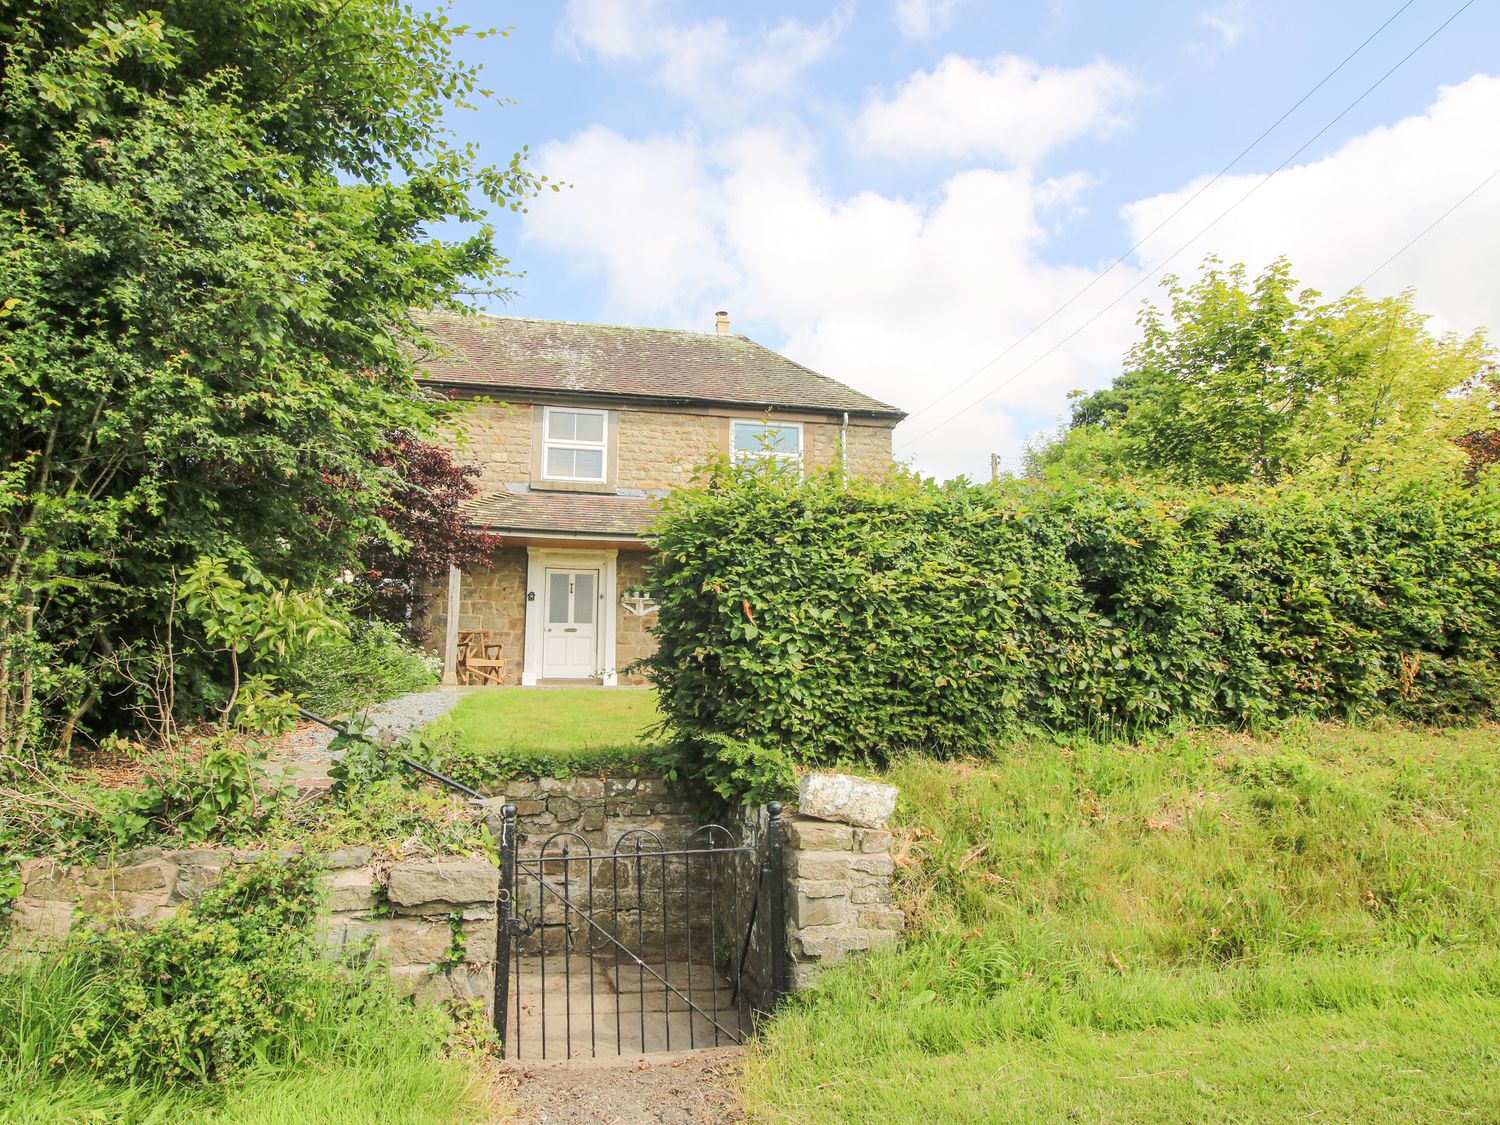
column 828, row 619
column 245, row 998
column 216, row 221
column 367, row 666
column 1244, row 928
column 214, row 791
column 224, row 795
column 386, row 816
column 1257, row 381
column 207, row 992
column 254, row 618
column 375, row 798
column 477, row 765
column 742, row 770
column 366, row 758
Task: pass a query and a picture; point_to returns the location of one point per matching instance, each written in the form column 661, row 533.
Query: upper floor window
column 574, row 444
column 781, row 440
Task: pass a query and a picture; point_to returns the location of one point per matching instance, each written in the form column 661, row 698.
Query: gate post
column 505, row 914
column 776, row 873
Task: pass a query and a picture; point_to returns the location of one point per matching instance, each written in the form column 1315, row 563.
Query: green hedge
column 812, row 622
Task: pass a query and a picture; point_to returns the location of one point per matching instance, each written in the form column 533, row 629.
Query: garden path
column 696, row 1088
column 304, row 750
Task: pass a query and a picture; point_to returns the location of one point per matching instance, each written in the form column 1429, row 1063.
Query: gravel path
column 692, row 1089
column 394, row 717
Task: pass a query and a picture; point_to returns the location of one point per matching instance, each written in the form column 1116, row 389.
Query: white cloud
column 1009, row 107
column 646, row 214
column 1340, row 217
column 895, row 297
column 705, row 61
column 1225, row 25
column 923, row 19
column 903, row 298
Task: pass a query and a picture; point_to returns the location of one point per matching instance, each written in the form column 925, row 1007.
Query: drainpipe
column 844, row 444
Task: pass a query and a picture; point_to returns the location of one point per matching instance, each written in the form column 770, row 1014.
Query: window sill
column 603, row 488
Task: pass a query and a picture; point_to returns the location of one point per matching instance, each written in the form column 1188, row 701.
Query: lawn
column 1210, row 928
column 501, row 732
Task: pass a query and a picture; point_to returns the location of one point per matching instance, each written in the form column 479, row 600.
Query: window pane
column 561, row 425
column 583, row 598
column 747, row 437
column 557, row 597
column 589, row 427
column 588, row 464
column 560, row 462
column 759, row 437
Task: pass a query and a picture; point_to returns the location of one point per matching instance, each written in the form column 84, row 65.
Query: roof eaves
column 514, row 390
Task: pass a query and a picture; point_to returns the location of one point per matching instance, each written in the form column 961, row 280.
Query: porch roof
column 519, row 509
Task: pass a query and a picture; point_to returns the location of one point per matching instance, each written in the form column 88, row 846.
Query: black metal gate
column 639, row 949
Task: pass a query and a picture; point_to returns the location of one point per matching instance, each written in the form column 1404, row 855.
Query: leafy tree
column 214, row 222
column 1257, row 381
column 425, row 512
column 1482, row 444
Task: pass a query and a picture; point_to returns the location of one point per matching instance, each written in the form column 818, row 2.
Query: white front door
column 570, row 650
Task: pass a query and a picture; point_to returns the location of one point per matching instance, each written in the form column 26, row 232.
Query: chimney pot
column 721, row 322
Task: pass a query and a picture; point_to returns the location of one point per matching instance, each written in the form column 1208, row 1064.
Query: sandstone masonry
column 431, row 919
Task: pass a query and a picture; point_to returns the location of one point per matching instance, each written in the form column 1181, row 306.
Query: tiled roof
column 518, row 509
column 514, row 353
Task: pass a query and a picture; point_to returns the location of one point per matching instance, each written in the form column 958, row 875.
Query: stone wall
column 837, row 871
column 432, row 919
column 870, row 452
column 655, row 448
column 598, row 809
column 633, row 639
column 496, row 439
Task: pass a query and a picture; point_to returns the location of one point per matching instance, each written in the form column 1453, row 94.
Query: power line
column 1200, row 233
column 1180, row 208
column 1428, row 228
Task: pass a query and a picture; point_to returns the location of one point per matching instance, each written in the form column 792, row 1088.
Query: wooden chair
column 481, row 660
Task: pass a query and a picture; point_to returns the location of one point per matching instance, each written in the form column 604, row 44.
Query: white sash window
column 574, row 444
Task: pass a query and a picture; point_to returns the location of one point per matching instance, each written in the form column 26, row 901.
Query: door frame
column 538, row 559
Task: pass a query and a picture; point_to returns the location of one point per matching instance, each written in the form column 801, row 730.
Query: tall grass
column 1228, row 904
column 362, row 1056
column 226, row 1012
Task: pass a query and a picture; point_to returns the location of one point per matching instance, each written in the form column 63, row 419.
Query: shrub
column 370, row 665
column 209, row 991
column 839, row 619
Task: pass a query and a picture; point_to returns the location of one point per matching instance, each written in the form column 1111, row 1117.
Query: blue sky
column 897, row 192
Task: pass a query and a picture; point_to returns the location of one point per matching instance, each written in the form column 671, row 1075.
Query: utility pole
column 994, row 468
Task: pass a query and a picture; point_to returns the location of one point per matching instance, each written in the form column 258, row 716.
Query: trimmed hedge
column 808, row 622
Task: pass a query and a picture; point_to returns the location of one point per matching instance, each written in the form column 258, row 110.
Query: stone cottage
column 577, row 429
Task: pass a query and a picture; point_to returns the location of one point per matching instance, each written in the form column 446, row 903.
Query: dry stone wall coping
column 435, row 883
column 846, row 799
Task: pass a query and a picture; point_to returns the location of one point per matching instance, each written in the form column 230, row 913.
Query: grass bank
column 1208, row 928
column 502, row 732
